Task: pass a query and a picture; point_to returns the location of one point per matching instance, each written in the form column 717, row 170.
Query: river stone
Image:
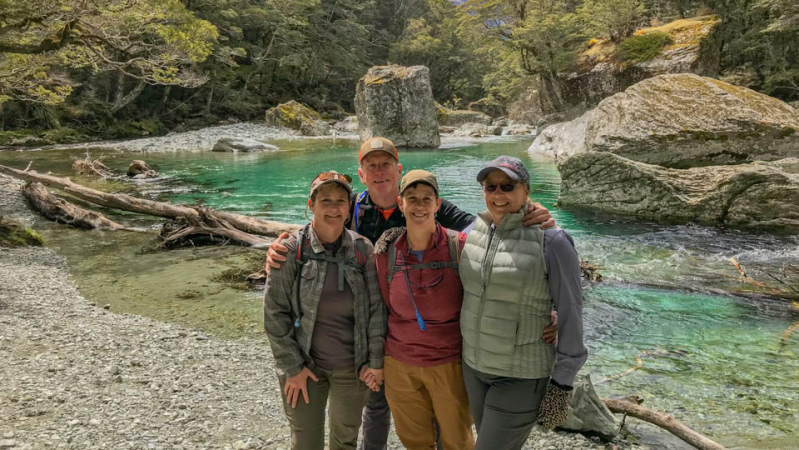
column 684, row 120
column 752, row 195
column 561, row 140
column 478, row 130
column 396, row 102
column 296, row 116
column 139, row 169
column 589, row 414
column 348, row 125
column 244, row 145
column 455, row 118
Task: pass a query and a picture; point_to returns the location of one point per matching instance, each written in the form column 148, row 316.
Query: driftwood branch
column 60, row 210
column 663, row 420
column 180, row 231
column 149, row 207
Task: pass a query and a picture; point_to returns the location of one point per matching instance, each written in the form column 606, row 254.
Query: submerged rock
column 753, row 195
column 685, row 120
column 244, row 145
column 296, row 116
column 397, row 103
column 139, row 169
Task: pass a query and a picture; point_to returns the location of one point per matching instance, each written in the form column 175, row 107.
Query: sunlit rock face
column 296, row 116
column 397, row 103
column 752, row 195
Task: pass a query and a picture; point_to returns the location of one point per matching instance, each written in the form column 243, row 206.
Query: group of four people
column 458, row 326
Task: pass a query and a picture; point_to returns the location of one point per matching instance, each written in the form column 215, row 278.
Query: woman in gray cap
column 512, row 276
column 325, row 320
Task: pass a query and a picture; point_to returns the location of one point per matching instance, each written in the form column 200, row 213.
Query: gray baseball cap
column 512, row 167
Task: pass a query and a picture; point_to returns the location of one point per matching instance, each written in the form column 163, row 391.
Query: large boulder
column 457, row 117
column 397, row 103
column 243, row 145
column 589, row 414
column 684, row 120
column 752, row 195
column 489, row 106
column 296, row 116
column 562, row 140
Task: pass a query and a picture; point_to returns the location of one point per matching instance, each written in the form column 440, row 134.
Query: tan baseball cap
column 418, row 176
column 377, row 144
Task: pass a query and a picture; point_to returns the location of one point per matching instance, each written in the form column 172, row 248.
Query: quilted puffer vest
column 506, row 303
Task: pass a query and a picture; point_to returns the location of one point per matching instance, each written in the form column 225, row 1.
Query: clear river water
column 708, row 346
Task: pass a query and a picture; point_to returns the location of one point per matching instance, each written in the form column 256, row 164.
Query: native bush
column 643, row 47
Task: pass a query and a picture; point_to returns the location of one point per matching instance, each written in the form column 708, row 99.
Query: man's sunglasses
column 505, row 187
column 325, row 176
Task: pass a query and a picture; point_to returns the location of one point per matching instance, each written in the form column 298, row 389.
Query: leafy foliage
column 643, row 47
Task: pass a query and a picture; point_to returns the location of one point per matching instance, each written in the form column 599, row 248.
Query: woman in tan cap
column 325, row 320
column 417, row 267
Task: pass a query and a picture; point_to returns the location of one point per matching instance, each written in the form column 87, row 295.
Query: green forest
column 71, row 70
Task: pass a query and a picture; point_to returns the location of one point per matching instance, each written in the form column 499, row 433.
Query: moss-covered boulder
column 685, row 120
column 14, row 234
column 397, row 103
column 296, row 116
column 489, row 106
column 753, row 195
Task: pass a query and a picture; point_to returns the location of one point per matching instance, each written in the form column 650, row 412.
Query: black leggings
column 504, row 409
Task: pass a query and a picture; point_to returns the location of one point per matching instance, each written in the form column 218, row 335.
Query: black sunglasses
column 505, row 187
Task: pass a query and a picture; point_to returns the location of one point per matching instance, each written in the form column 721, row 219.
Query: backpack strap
column 453, row 245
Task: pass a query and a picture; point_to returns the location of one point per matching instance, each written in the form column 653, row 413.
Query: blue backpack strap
column 357, row 213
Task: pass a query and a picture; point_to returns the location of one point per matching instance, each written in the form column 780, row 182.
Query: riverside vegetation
column 72, row 70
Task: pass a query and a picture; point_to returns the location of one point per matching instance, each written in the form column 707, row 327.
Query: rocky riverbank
column 76, row 375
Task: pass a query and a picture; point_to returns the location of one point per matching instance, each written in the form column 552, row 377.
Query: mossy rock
column 296, row 116
column 14, row 234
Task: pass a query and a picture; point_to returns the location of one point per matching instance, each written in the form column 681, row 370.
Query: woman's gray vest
column 506, row 299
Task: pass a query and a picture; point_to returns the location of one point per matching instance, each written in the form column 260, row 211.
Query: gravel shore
column 76, row 375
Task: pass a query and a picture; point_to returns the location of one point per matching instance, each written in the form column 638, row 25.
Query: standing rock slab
column 684, row 120
column 243, row 145
column 397, row 103
column 562, row 140
column 753, row 195
column 296, row 116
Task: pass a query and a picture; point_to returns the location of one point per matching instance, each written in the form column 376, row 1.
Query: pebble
column 7, row 443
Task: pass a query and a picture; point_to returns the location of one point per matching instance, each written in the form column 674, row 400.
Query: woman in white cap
column 512, row 277
column 325, row 320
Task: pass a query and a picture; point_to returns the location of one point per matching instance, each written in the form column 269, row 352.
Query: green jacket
column 291, row 345
column 506, row 302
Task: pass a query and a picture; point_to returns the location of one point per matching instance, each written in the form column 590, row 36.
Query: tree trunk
column 123, row 101
column 61, row 211
column 664, row 421
column 150, row 207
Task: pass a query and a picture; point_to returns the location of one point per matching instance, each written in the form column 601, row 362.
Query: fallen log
column 149, row 207
column 181, row 232
column 60, row 210
column 663, row 420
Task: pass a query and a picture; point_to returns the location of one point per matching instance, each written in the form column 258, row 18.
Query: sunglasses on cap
column 505, row 187
column 325, row 176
